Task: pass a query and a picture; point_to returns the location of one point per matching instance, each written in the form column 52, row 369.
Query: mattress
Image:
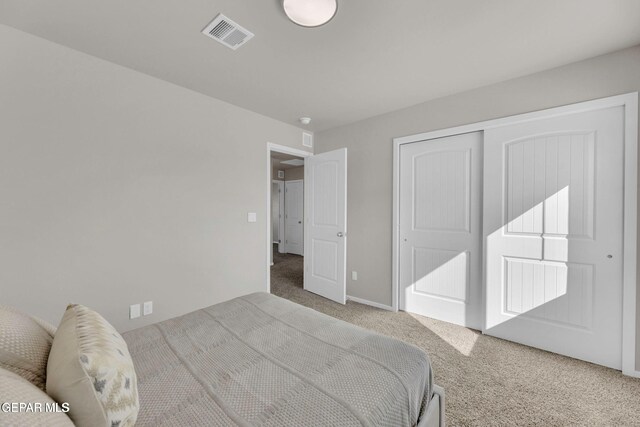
column 262, row 360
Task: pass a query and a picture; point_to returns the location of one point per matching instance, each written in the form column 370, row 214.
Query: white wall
column 113, row 189
column 370, row 149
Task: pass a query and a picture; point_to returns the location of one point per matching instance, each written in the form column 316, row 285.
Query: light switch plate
column 354, row 275
column 147, row 308
column 134, row 311
column 252, row 217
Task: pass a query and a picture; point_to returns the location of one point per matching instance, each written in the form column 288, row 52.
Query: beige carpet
column 488, row 381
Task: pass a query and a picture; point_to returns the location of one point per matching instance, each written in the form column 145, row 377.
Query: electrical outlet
column 147, row 308
column 354, row 275
column 252, row 217
column 134, row 311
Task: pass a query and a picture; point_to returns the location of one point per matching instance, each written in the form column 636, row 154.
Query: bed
column 262, row 360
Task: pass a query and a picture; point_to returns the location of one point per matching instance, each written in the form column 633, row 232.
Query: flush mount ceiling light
column 310, row 13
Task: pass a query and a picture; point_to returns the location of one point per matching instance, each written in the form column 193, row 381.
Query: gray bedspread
column 262, row 360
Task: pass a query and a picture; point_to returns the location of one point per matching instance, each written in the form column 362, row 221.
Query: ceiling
column 373, row 57
column 278, row 158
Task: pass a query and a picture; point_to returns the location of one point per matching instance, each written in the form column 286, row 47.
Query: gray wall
column 275, row 167
column 115, row 188
column 370, row 149
column 294, row 174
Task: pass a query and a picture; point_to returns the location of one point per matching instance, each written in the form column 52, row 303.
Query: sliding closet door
column 553, row 198
column 440, row 235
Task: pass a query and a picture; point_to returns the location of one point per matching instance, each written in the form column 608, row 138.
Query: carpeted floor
column 488, row 381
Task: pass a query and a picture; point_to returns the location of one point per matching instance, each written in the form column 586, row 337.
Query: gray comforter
column 262, row 360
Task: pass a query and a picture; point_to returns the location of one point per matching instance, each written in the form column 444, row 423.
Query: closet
column 516, row 227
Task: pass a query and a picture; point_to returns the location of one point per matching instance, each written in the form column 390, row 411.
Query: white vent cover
column 227, row 32
column 307, row 139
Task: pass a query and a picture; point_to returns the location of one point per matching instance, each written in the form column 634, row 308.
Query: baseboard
column 633, row 374
column 371, row 303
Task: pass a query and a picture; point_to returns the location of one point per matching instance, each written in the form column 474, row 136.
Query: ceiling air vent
column 227, row 32
column 307, row 139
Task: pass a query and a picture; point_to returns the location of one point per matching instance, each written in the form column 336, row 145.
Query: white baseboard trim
column 371, row 303
column 634, row 374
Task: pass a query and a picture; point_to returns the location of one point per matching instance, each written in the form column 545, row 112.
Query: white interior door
column 553, row 202
column 277, row 214
column 294, row 217
column 325, row 264
column 440, row 229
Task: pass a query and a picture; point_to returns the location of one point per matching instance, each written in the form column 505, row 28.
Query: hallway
column 286, row 274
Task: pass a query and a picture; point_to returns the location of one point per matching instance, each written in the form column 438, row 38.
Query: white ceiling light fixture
column 310, row 13
column 305, row 120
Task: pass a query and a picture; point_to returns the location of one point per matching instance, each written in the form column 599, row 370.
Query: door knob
column 299, row 222
column 340, row 234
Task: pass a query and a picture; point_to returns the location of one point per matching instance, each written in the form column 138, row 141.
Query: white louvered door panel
column 440, row 235
column 553, row 192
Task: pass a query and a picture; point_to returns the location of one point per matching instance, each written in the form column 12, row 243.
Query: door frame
column 271, row 147
column 285, row 218
column 630, row 225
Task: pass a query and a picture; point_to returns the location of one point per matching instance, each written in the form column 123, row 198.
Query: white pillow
column 25, row 343
column 15, row 389
column 91, row 369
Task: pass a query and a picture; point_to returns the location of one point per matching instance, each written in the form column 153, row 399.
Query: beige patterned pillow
column 51, row 330
column 15, row 389
column 91, row 369
column 25, row 343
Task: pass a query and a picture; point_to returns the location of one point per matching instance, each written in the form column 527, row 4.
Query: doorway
column 287, row 223
column 321, row 236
